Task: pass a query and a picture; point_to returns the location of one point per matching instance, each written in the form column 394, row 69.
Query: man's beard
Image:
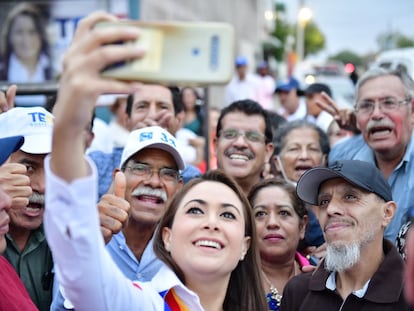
column 342, row 257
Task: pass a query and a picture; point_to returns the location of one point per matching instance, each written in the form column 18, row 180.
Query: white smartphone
column 179, row 53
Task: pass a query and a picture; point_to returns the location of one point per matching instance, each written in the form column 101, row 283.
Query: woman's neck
column 190, row 115
column 211, row 291
column 278, row 274
column 30, row 65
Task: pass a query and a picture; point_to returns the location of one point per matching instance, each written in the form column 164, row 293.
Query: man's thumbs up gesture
column 113, row 208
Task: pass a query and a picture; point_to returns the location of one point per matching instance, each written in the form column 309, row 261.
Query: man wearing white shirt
column 315, row 114
column 266, row 86
column 244, row 85
column 292, row 107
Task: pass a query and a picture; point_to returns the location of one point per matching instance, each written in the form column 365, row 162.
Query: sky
column 355, row 24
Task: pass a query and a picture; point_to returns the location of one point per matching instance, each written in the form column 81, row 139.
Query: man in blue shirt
column 151, row 164
column 384, row 114
column 153, row 104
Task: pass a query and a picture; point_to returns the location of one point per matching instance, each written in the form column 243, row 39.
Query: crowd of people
column 286, row 218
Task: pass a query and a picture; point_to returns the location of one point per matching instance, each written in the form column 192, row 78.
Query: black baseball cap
column 358, row 173
column 318, row 88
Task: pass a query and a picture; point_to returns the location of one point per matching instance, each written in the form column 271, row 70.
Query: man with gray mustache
column 151, row 163
column 14, row 296
column 384, row 114
column 27, row 248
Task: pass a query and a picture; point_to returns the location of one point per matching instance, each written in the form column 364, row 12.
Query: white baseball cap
column 151, row 137
column 35, row 124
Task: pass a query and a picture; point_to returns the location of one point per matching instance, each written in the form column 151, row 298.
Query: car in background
column 343, row 90
column 402, row 59
column 334, row 75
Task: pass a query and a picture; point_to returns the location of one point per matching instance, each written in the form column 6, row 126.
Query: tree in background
column 281, row 32
column 347, row 56
column 314, row 38
column 394, row 40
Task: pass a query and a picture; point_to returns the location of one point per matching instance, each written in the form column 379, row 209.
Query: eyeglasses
column 386, row 105
column 252, row 136
column 144, row 170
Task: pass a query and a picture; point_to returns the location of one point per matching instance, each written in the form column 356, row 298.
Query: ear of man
column 389, row 209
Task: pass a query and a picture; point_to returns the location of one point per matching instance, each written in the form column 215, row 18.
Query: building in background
column 252, row 20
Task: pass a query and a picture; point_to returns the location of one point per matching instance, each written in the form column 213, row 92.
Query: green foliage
column 314, row 39
column 281, row 32
column 404, row 42
column 347, row 56
column 394, row 40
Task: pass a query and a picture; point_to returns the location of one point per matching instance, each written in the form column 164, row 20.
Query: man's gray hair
column 376, row 72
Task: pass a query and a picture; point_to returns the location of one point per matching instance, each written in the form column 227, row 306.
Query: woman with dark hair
column 190, row 135
column 281, row 219
column 24, row 48
column 206, row 238
column 193, row 118
column 200, row 198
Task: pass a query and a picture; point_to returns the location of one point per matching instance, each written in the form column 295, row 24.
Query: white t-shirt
column 242, row 89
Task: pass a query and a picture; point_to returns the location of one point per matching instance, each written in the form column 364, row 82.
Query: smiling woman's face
column 301, row 152
column 25, row 39
column 207, row 236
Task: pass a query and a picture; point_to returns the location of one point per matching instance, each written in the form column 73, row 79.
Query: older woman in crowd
column 299, row 146
column 281, row 219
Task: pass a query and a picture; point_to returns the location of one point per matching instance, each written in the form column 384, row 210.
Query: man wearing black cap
column 362, row 270
column 314, row 113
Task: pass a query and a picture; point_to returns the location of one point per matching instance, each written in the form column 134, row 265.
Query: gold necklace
column 274, row 293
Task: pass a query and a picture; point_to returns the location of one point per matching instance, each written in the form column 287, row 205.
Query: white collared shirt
column 331, row 284
column 84, row 268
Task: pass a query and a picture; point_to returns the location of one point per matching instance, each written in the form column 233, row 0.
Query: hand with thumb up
column 113, row 208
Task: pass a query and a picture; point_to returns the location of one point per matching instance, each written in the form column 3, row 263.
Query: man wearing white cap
column 151, row 164
column 27, row 249
column 14, row 296
column 152, row 104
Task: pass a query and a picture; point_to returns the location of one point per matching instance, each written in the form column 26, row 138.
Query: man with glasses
column 151, row 164
column 243, row 142
column 152, row 104
column 384, row 114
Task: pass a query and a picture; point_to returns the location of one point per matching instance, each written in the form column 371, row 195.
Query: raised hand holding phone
column 179, row 53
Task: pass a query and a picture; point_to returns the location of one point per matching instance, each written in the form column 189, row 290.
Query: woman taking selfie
column 205, row 238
